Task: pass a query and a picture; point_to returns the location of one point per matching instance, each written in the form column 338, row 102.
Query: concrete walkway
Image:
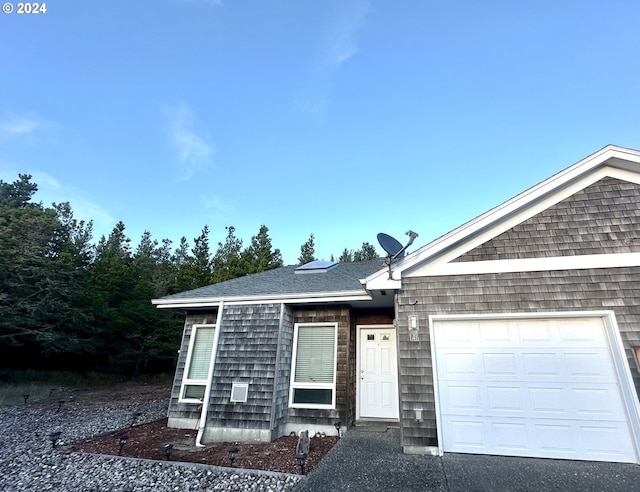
column 371, row 459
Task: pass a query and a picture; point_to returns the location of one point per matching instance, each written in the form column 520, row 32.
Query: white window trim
column 332, row 386
column 197, row 382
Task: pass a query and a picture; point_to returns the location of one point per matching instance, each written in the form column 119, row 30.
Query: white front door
column 377, row 373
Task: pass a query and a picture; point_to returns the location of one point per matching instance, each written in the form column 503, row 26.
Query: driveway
column 370, row 459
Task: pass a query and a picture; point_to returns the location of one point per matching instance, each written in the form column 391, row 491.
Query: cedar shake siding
column 602, row 218
column 246, row 354
column 255, row 346
column 327, row 417
column 283, row 371
column 184, row 410
column 616, row 289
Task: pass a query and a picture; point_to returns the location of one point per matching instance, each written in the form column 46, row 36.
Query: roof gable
column 612, row 161
column 595, row 220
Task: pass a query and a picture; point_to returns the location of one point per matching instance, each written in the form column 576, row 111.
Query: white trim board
column 578, row 262
column 319, row 297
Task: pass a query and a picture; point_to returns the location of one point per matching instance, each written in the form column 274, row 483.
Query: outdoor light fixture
column 26, row 397
column 53, row 437
column 123, row 441
column 337, row 425
column 167, row 450
column 134, row 417
column 60, row 403
column 233, row 453
column 302, row 459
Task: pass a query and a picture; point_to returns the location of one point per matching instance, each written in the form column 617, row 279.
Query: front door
column 377, row 373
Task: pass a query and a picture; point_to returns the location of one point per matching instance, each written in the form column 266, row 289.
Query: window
column 196, row 370
column 313, row 368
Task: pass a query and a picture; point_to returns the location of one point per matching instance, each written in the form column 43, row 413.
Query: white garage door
column 530, row 387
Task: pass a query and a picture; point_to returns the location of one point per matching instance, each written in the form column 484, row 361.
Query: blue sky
column 338, row 118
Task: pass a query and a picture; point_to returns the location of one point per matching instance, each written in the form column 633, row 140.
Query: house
column 518, row 333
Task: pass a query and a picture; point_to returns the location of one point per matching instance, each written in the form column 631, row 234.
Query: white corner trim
column 578, row 262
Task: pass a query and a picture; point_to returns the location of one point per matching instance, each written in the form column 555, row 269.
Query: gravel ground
column 28, row 462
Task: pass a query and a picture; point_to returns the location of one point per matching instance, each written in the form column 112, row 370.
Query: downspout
column 207, row 389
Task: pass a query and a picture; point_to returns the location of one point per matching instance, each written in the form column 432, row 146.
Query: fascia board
column 320, row 297
column 578, row 262
column 619, row 157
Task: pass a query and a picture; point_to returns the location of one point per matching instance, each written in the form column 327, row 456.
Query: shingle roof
column 283, row 281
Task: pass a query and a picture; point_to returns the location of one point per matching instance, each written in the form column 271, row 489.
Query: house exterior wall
column 283, row 372
column 344, row 359
column 255, row 346
column 616, row 289
column 603, row 218
column 182, row 410
column 246, row 353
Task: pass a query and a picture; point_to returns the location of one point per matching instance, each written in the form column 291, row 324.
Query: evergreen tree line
column 69, row 303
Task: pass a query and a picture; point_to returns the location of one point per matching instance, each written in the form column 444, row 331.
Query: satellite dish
column 394, row 248
column 390, row 244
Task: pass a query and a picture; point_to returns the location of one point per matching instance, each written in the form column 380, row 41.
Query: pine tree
column 307, row 251
column 260, row 256
column 367, row 252
column 227, row 262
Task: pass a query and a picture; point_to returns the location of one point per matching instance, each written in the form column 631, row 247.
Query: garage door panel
column 543, row 387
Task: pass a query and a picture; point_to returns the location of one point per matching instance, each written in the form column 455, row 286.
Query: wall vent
column 239, row 392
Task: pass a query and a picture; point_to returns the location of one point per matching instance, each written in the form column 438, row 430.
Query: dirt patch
column 148, row 441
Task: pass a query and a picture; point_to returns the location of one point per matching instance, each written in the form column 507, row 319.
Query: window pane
column 201, row 353
column 316, row 396
column 193, row 391
column 315, row 356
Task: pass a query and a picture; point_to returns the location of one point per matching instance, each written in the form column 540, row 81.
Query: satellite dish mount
column 394, row 248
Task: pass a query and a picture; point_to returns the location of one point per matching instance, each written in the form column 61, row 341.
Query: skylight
column 317, row 266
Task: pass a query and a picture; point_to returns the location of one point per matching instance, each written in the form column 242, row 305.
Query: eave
column 299, row 298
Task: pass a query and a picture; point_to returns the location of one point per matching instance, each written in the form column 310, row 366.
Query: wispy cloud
column 194, row 149
column 339, row 45
column 19, row 125
column 342, row 36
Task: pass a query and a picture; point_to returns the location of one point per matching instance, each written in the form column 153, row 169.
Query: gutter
column 207, row 391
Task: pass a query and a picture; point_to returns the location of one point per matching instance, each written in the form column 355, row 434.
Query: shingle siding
column 616, row 289
column 283, row 369
column 246, row 353
column 341, row 316
column 602, row 218
column 182, row 409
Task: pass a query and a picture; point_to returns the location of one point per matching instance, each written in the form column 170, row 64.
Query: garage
column 551, row 386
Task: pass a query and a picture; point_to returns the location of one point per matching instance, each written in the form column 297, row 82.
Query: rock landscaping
column 52, row 445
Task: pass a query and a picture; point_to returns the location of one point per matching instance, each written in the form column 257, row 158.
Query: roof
column 612, row 160
column 344, row 282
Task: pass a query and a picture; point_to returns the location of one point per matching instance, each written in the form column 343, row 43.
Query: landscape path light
column 26, row 397
column 337, row 425
column 302, row 459
column 167, row 451
column 233, row 453
column 134, row 417
column 54, row 437
column 122, row 442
